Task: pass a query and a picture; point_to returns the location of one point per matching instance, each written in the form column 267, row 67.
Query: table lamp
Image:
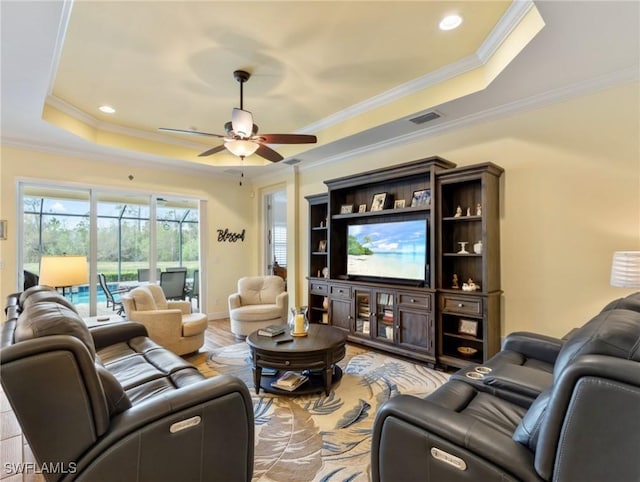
column 63, row 271
column 625, row 269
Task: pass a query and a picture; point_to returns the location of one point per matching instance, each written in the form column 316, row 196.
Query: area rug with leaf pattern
column 319, row 437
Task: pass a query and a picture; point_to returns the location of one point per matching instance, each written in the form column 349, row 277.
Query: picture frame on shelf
column 362, row 208
column 398, row 204
column 468, row 327
column 346, row 209
column 378, row 201
column 322, row 246
column 421, row 198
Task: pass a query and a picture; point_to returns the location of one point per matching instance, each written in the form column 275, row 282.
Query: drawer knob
column 412, row 300
column 460, row 305
column 287, row 363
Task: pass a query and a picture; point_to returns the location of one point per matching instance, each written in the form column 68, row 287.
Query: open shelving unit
column 433, row 318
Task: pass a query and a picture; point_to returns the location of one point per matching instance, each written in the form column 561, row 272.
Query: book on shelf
column 289, row 381
column 272, row 330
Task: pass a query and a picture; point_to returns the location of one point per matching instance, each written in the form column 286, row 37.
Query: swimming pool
column 82, row 294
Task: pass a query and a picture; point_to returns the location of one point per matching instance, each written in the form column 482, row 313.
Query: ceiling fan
column 242, row 138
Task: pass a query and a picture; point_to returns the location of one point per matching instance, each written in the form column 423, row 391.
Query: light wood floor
column 14, row 448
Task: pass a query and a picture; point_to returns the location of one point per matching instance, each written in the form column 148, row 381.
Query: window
column 58, row 221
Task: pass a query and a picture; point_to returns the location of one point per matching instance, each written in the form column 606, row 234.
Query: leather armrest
column 534, row 345
column 224, row 397
column 112, row 333
column 607, row 372
column 460, row 429
column 520, row 379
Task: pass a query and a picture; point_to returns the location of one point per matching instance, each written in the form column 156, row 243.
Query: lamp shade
column 241, row 148
column 61, row 271
column 625, row 270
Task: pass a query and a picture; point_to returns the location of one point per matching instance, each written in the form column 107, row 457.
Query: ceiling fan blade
column 268, row 153
column 242, row 122
column 288, row 138
column 184, row 131
column 213, row 150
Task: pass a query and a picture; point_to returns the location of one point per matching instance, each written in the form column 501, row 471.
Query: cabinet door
column 340, row 313
column 384, row 316
column 362, row 326
column 415, row 330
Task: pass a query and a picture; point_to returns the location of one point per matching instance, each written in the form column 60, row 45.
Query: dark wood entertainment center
column 436, row 319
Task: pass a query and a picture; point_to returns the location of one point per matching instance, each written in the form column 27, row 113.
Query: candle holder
column 298, row 322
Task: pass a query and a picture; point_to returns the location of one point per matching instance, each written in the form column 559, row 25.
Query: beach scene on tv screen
column 388, row 250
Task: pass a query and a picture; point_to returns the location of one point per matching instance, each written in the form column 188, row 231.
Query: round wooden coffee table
column 315, row 354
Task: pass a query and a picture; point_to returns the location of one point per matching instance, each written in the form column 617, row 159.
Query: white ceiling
column 352, row 73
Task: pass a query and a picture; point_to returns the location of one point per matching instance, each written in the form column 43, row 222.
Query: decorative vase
column 477, row 248
column 298, row 322
column 325, row 303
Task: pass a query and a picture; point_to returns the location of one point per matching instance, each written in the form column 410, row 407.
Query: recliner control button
column 448, row 458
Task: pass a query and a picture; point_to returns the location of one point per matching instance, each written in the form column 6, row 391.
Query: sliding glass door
column 115, row 232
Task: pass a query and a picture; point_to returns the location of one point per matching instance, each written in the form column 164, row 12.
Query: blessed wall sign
column 228, row 236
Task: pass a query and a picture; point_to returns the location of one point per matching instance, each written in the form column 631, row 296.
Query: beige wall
column 228, row 206
column 570, row 197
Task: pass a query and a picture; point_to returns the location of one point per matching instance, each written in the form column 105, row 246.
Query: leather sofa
column 583, row 424
column 108, row 403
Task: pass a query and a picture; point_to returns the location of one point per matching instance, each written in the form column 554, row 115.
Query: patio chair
column 111, row 301
column 173, row 284
column 144, row 274
column 177, row 268
column 194, row 292
column 30, row 279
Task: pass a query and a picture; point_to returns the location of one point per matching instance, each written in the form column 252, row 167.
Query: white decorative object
column 458, row 212
column 625, row 270
column 463, row 247
column 477, row 248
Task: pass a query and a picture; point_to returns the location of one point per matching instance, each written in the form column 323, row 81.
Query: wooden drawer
column 319, row 288
column 340, row 291
column 462, row 304
column 412, row 299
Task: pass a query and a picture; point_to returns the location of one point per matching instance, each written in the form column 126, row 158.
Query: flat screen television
column 389, row 250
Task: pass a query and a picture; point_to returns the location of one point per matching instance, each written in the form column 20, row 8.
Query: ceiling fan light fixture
column 241, row 148
column 242, row 122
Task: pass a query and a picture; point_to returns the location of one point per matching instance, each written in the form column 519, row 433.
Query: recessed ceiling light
column 450, row 22
column 107, row 109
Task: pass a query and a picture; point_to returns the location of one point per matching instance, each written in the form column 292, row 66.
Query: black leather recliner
column 108, row 404
column 584, row 426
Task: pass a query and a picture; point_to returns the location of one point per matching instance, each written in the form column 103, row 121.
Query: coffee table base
column 315, row 384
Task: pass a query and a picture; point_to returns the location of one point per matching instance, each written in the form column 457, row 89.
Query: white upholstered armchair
column 169, row 323
column 260, row 301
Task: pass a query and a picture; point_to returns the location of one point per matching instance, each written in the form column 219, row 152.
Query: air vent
column 428, row 117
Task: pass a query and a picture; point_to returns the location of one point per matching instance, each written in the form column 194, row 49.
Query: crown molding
column 578, row 89
column 509, row 21
column 174, row 165
column 65, row 17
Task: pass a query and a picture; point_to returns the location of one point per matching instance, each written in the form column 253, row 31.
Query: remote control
column 284, row 340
